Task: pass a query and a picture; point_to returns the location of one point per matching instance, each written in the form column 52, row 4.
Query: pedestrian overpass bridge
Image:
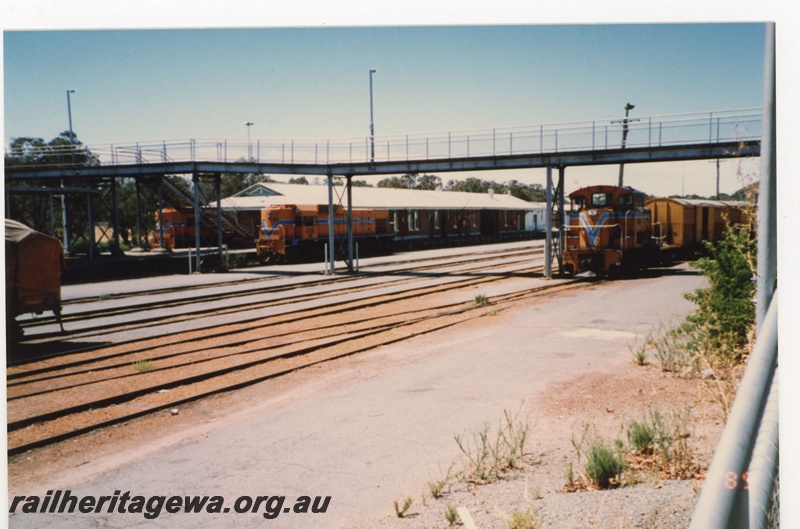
column 677, row 137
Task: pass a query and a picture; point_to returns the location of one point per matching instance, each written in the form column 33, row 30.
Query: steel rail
column 254, row 320
column 127, row 413
column 137, row 308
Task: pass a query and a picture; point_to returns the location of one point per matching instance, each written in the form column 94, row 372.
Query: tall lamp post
column 69, row 115
column 249, row 124
column 628, row 108
column 371, row 119
column 72, row 156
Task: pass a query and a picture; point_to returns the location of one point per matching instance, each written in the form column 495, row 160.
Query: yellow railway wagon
column 685, row 223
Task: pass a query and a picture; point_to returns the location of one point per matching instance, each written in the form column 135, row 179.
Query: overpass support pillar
column 554, row 215
column 350, row 259
column 197, row 213
column 331, row 240
column 548, row 232
column 559, row 214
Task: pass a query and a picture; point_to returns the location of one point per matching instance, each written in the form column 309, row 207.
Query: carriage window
column 578, row 203
column 601, row 200
column 309, row 221
column 413, row 220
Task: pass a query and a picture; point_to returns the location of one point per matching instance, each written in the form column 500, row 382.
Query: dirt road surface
column 373, row 428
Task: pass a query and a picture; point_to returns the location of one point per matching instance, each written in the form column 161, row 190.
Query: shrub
column 641, row 436
column 603, row 465
column 726, row 313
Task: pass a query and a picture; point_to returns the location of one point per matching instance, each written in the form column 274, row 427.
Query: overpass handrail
column 606, row 134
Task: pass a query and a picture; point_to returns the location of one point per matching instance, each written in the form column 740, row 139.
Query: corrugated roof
column 262, row 195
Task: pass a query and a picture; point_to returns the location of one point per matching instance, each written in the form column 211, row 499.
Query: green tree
column 407, row 181
column 471, row 185
column 42, row 211
column 299, row 181
column 33, row 152
column 232, row 183
column 530, row 192
column 428, row 181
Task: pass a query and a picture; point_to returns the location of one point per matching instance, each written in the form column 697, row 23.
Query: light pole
column 69, row 115
column 717, row 162
column 371, row 119
column 64, row 223
column 628, row 108
column 248, row 124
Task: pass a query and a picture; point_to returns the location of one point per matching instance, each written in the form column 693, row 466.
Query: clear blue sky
column 313, row 83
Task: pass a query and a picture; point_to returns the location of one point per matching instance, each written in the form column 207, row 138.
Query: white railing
column 646, row 132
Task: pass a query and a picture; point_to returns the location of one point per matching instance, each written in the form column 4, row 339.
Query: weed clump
column 491, row 453
column 481, row 300
column 603, row 465
column 401, row 511
column 451, row 514
column 143, row 366
column 523, row 520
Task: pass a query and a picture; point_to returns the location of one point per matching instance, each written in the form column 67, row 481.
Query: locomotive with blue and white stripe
column 608, row 228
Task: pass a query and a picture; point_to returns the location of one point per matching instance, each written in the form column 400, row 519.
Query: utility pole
column 628, row 108
column 717, row 161
column 371, row 119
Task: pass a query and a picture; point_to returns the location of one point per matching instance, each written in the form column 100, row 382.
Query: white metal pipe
column 767, row 194
column 723, row 503
column 764, row 464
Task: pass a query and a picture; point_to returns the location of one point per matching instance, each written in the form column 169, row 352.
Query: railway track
column 175, row 306
column 65, row 396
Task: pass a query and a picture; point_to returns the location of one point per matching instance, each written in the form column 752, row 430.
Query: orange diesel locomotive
column 178, row 229
column 612, row 228
column 299, row 231
column 607, row 228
